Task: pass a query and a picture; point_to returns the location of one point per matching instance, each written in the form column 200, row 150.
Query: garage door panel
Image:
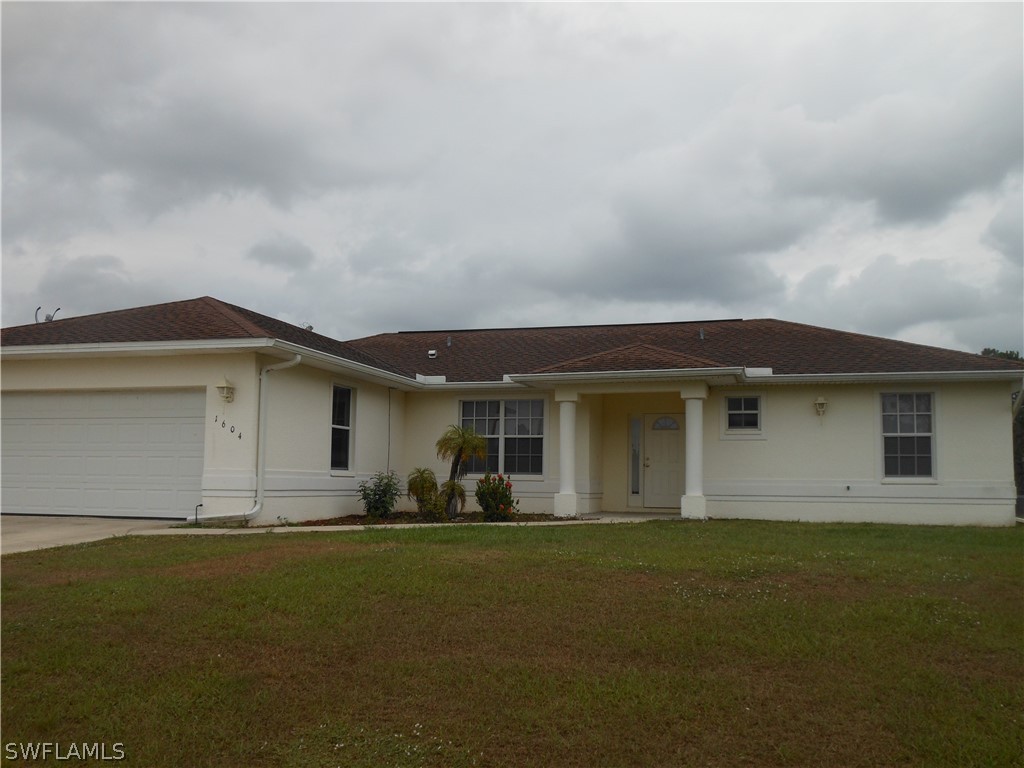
column 125, row 500
column 103, row 453
column 134, row 434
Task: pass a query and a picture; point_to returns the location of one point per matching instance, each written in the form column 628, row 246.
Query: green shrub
column 421, row 486
column 380, row 494
column 494, row 495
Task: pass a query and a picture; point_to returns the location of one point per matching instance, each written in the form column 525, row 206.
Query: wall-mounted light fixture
column 820, row 405
column 226, row 390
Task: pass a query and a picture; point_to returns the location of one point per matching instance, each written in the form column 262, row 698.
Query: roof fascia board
column 130, row 348
column 901, row 376
column 270, row 346
column 617, row 377
column 505, row 384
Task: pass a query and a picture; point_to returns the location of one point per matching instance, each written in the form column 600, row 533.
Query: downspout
column 261, row 437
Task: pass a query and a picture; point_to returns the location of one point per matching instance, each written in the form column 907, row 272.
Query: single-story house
column 202, row 408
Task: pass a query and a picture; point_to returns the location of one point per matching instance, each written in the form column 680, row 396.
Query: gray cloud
column 1005, row 233
column 889, row 298
column 281, row 251
column 96, row 283
column 590, row 160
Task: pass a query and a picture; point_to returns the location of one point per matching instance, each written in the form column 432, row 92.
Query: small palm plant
column 421, row 486
column 458, row 445
column 454, row 493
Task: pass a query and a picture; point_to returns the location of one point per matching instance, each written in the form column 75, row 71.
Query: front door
column 663, row 460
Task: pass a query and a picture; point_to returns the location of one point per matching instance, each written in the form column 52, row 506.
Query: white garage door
column 124, row 454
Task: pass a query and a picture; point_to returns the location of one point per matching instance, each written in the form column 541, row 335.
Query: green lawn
column 652, row 644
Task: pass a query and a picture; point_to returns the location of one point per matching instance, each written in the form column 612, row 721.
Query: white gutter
column 109, row 349
column 261, row 439
column 854, row 378
column 601, row 377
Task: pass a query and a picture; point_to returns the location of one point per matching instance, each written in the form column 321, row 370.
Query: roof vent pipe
column 432, row 353
column 702, row 334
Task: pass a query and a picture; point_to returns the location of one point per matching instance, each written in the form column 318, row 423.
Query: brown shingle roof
column 786, row 348
column 490, row 354
column 202, row 319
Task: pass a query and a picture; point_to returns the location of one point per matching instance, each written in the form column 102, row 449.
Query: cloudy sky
column 369, row 168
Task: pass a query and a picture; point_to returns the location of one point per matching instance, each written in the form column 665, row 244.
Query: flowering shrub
column 494, row 495
column 380, row 494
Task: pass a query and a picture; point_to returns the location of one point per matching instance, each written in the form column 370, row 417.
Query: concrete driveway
column 21, row 533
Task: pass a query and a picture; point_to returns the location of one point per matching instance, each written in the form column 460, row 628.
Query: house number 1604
column 224, row 425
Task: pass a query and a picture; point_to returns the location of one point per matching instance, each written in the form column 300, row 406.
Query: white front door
column 663, row 460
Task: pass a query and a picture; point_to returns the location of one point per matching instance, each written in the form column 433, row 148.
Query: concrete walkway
column 23, row 533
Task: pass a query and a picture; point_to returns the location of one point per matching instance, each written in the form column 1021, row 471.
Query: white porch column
column 565, row 499
column 693, row 503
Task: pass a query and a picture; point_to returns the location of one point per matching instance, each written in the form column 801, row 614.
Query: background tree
column 458, row 445
column 1018, row 423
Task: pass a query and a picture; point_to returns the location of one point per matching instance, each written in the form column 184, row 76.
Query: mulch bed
column 406, row 518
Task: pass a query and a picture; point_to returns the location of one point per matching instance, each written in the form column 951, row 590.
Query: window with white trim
column 743, row 413
column 514, row 430
column 907, row 434
column 341, row 428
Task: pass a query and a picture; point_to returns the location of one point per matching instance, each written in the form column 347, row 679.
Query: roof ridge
column 634, row 345
column 563, row 327
column 235, row 316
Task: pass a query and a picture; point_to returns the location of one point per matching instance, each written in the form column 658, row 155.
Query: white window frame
column 883, row 434
column 351, row 429
column 502, row 436
column 742, row 433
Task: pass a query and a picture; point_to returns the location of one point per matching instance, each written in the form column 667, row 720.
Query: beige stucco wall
column 802, row 466
column 429, row 413
column 830, row 468
column 299, row 481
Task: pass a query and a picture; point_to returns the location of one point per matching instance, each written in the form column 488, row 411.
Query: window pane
column 923, row 403
column 906, row 423
column 743, row 412
column 889, row 423
column 924, row 466
column 924, row 423
column 523, row 455
column 342, row 407
column 892, row 466
column 889, row 403
column 906, row 403
column 339, row 448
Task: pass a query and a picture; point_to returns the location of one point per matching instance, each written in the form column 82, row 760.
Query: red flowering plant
column 494, row 495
